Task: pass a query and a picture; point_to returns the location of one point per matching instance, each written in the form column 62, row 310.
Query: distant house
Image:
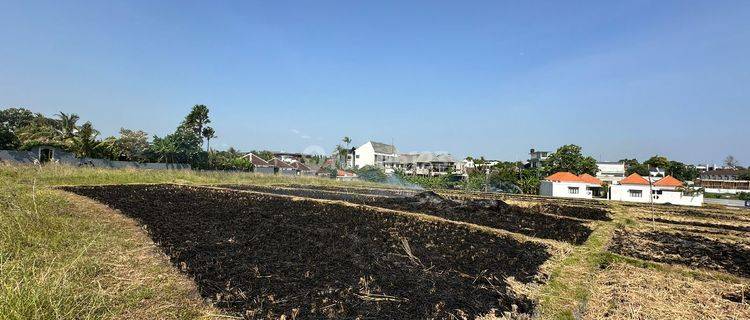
column 288, row 157
column 724, row 181
column 301, row 168
column 281, row 167
column 568, row 185
column 423, row 164
column 345, row 175
column 667, row 190
column 372, row 154
column 537, row 157
column 610, row 172
column 259, row 164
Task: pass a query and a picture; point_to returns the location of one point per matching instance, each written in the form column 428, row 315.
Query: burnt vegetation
column 266, row 256
column 684, row 249
column 542, row 221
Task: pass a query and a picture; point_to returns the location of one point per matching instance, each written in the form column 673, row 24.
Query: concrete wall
column 562, row 190
column 63, row 157
column 364, row 155
column 265, row 170
column 622, row 193
column 659, row 196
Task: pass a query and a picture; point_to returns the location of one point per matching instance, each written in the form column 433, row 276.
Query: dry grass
column 136, row 267
column 624, row 291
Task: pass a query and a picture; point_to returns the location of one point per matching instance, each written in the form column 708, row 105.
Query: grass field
column 67, row 256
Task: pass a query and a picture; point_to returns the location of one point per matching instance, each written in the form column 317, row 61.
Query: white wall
column 364, row 155
column 622, row 193
column 561, row 190
column 668, row 195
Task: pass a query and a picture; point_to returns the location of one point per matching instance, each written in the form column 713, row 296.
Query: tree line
column 22, row 129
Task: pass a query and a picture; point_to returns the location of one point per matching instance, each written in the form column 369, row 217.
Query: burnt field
column 266, row 256
column 684, row 249
column 542, row 221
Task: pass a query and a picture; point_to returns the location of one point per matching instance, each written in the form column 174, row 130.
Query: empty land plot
column 266, row 256
column 487, row 212
column 624, row 291
column 684, row 249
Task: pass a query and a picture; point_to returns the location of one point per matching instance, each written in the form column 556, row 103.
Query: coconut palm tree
column 84, row 143
column 208, row 133
column 347, row 140
column 67, row 125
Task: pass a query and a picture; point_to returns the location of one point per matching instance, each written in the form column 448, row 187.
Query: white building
column 536, row 158
column 423, row 164
column 610, row 172
column 372, row 154
column 667, row 190
column 568, row 185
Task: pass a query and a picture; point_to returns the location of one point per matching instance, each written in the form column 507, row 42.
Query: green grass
column 63, row 257
column 567, row 292
column 53, row 175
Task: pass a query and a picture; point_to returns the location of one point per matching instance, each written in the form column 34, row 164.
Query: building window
column 573, row 190
column 357, row 156
column 635, row 193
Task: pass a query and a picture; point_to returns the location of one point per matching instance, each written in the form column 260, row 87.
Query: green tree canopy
column 569, row 158
column 657, row 162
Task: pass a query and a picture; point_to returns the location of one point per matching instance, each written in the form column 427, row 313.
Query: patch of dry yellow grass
column 624, row 291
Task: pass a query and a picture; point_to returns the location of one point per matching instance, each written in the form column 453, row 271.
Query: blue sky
column 495, row 78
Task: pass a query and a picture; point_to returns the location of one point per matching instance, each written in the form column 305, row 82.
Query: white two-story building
column 372, row 154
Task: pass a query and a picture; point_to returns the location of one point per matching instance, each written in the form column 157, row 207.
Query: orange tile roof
column 590, row 179
column 634, row 179
column 668, row 181
column 564, row 176
column 342, row 173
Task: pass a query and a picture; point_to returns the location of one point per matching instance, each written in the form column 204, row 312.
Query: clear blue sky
column 495, row 78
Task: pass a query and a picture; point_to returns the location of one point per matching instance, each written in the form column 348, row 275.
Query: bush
column 372, row 174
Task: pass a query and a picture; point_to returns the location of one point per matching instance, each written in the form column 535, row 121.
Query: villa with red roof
column 569, row 185
column 667, row 190
column 633, row 188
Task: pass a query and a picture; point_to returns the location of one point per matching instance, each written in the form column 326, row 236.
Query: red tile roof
column 564, row 176
column 280, row 164
column 257, row 161
column 342, row 173
column 668, row 181
column 634, row 179
column 300, row 166
column 590, row 179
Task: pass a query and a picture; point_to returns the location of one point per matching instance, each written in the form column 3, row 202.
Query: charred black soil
column 684, row 249
column 487, row 212
column 699, row 224
column 267, row 256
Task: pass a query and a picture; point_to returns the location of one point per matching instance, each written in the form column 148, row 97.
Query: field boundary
column 556, row 245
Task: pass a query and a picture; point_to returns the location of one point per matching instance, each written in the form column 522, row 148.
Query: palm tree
column 68, row 128
column 208, row 133
column 347, row 140
column 84, row 143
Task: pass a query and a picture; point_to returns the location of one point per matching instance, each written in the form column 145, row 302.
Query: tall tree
column 197, row 119
column 347, row 140
column 569, row 158
column 657, row 162
column 84, row 142
column 208, row 134
column 731, row 162
column 68, row 127
column 132, row 144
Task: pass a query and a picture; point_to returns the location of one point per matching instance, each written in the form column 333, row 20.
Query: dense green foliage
column 676, row 169
column 371, row 173
column 569, row 158
column 22, row 129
